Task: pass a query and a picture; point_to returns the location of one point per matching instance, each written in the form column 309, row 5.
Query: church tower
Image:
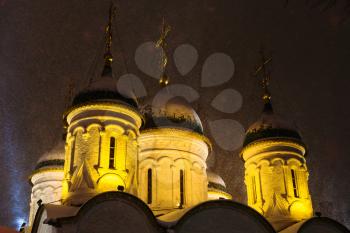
column 102, row 129
column 276, row 175
column 46, row 180
column 173, row 150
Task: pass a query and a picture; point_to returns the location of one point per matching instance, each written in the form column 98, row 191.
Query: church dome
column 173, row 112
column 104, row 89
column 270, row 125
column 216, row 187
column 215, row 181
column 53, row 158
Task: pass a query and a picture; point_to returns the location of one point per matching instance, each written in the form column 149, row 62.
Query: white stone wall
column 47, row 186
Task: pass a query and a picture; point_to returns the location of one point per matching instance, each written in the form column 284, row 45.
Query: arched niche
column 115, row 130
column 110, row 182
column 264, row 163
column 294, row 163
column 277, row 161
column 148, row 162
column 116, row 212
column 322, row 225
column 94, row 126
column 198, row 167
column 222, row 216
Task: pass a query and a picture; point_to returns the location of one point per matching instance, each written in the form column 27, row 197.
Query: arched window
column 295, row 183
column 182, row 188
column 112, row 152
column 72, row 152
column 149, row 186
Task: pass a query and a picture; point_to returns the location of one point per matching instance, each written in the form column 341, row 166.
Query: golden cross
column 161, row 43
column 108, row 53
column 164, row 33
column 266, row 75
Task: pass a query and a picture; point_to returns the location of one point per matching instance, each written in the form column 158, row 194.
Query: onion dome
column 216, row 187
column 215, row 181
column 53, row 159
column 270, row 125
column 105, row 88
column 172, row 112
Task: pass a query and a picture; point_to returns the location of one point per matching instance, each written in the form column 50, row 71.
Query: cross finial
column 263, row 70
column 161, row 43
column 109, row 39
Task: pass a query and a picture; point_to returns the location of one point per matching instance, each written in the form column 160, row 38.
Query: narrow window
column 295, row 186
column 254, row 190
column 111, row 152
column 149, row 186
column 72, row 151
column 182, row 183
column 99, row 151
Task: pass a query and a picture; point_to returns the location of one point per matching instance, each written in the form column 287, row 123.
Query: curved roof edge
column 225, row 204
column 271, row 133
column 325, row 221
column 110, row 196
column 100, row 95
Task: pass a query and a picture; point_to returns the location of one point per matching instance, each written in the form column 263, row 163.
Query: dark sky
column 46, row 44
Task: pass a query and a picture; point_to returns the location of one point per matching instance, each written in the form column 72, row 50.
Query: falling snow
column 45, row 45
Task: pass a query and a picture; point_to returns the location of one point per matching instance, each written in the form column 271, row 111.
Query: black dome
column 270, row 125
column 104, row 89
column 53, row 158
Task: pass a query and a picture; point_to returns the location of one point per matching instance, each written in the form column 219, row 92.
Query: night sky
column 48, row 45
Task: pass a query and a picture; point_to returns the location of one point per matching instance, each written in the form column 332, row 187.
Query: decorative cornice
column 178, row 131
column 266, row 133
column 90, row 104
column 275, row 141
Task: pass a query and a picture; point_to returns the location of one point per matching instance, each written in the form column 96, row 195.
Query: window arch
column 112, row 148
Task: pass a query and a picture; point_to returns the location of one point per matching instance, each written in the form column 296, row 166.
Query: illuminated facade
column 130, row 171
column 172, row 167
column 276, row 175
column 101, row 151
column 126, row 171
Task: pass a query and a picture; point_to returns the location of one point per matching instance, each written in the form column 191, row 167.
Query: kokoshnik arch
column 120, row 170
